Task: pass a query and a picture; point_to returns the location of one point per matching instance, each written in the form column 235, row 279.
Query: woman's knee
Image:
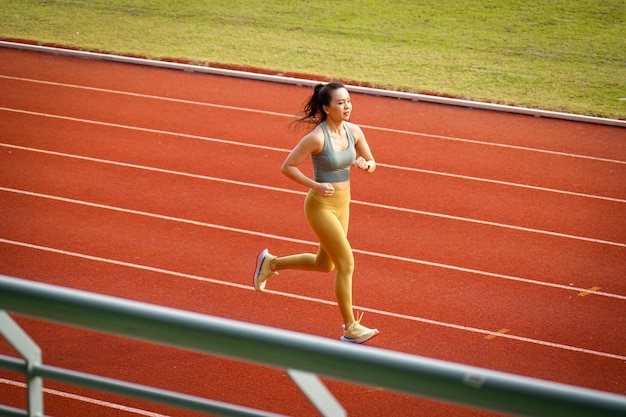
column 324, row 264
column 345, row 266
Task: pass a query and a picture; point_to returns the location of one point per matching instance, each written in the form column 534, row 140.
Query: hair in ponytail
column 313, row 112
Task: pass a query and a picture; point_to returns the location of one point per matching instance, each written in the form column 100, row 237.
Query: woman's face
column 340, row 105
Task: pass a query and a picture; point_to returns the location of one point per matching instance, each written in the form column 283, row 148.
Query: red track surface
column 475, row 223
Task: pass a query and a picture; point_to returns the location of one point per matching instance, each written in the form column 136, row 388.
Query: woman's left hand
column 367, row 166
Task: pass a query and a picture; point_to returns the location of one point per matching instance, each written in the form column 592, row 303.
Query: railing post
column 31, row 353
column 315, row 390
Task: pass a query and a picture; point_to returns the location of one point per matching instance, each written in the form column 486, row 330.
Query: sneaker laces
column 357, row 323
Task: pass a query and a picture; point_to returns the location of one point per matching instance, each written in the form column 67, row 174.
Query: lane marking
column 494, row 224
column 89, row 400
column 505, row 183
column 364, row 203
column 144, row 129
column 314, row 300
column 499, row 145
column 496, row 334
column 306, row 242
column 291, row 116
column 589, row 291
column 150, row 96
column 283, row 150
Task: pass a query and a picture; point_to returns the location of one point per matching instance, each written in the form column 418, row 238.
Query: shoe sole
column 358, row 341
column 257, row 271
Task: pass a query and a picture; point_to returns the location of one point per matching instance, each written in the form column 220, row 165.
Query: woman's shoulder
column 316, row 134
column 352, row 126
column 314, row 140
column 354, row 129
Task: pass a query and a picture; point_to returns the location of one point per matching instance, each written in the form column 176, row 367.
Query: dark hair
column 313, row 112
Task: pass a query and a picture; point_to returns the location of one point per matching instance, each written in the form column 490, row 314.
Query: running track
column 484, row 238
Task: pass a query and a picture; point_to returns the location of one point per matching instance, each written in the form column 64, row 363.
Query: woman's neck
column 333, row 126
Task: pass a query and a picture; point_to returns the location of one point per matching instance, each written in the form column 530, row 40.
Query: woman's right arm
column 310, row 144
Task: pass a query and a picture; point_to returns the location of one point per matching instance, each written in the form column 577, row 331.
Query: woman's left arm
column 365, row 159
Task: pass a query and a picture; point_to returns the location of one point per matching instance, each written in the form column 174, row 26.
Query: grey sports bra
column 331, row 165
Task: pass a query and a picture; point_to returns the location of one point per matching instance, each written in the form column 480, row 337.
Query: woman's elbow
column 287, row 169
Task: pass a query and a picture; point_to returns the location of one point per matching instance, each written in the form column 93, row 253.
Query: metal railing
column 303, row 356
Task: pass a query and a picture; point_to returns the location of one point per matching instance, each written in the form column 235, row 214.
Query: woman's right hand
column 325, row 189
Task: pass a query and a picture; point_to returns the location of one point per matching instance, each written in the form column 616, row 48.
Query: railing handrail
column 364, row 365
column 128, row 389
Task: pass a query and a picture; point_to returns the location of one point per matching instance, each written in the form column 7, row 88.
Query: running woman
column 334, row 144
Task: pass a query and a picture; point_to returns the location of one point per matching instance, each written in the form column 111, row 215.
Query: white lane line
column 87, row 399
column 494, row 224
column 317, row 300
column 365, row 203
column 143, row 129
column 505, row 183
column 283, row 150
column 311, row 243
column 245, row 109
column 151, row 97
column 499, row 145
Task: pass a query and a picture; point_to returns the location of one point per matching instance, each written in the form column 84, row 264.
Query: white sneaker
column 357, row 333
column 263, row 272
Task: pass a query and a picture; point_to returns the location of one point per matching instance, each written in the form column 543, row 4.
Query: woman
column 334, row 145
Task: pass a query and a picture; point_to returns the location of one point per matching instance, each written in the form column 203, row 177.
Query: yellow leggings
column 328, row 217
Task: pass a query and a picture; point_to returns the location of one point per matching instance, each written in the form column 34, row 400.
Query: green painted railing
column 364, row 365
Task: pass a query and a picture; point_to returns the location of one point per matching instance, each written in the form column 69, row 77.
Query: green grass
column 558, row 55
